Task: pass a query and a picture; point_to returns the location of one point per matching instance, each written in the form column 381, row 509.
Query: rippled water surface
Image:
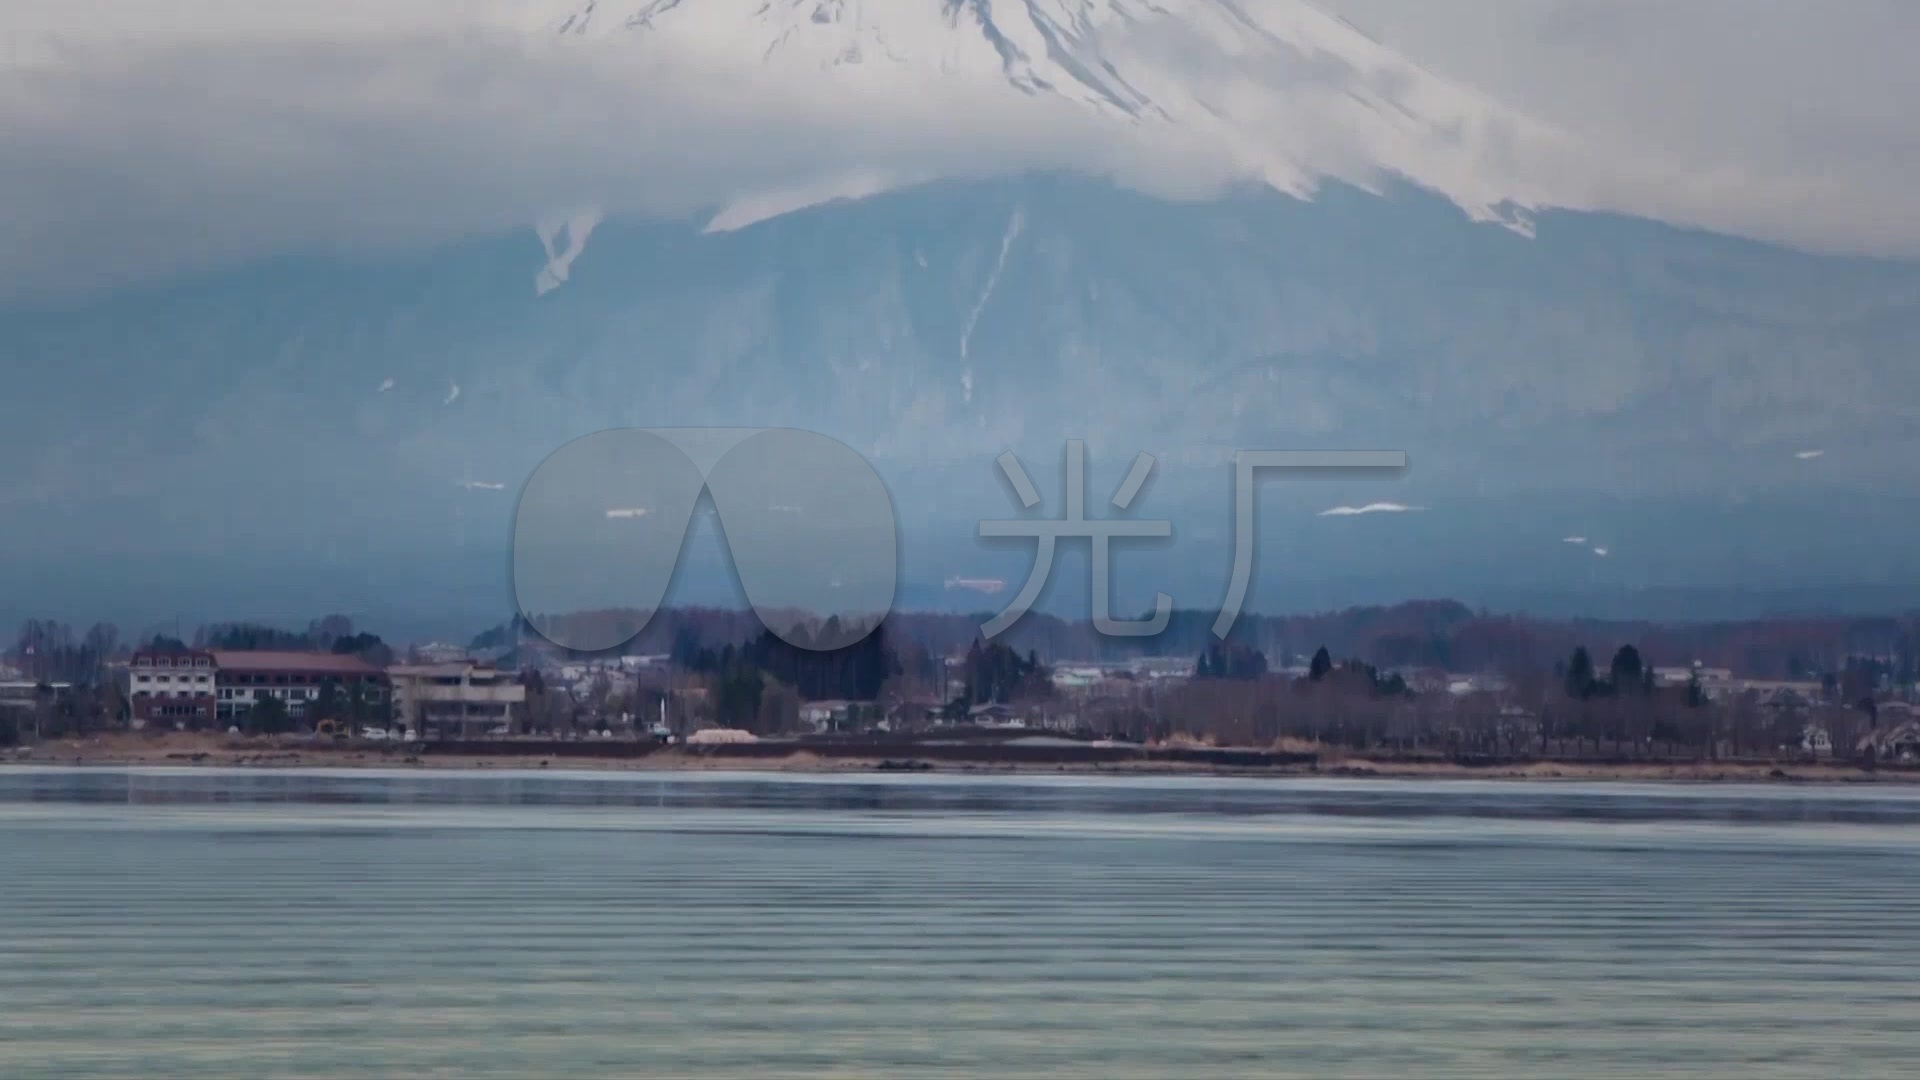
column 207, row 923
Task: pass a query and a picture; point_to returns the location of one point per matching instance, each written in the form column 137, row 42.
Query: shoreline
column 189, row 751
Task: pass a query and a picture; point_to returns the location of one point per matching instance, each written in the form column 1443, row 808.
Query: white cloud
column 146, row 136
column 1784, row 121
column 1370, row 508
column 1809, row 455
column 177, row 152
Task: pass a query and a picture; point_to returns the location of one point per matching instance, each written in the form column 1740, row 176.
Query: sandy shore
column 190, row 750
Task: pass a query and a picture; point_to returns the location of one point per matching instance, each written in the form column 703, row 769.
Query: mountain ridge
column 922, row 327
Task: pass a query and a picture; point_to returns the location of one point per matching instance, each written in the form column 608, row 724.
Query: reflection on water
column 196, row 923
column 1026, row 795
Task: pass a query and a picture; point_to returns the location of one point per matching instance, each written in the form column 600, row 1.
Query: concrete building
column 22, row 703
column 1162, row 669
column 456, row 700
column 823, row 717
column 1078, row 678
column 440, row 653
column 1778, row 694
column 1716, row 684
column 172, row 687
column 296, row 678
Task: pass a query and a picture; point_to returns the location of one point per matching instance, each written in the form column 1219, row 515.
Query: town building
column 1714, row 684
column 439, row 653
column 296, row 678
column 456, row 700
column 1080, row 679
column 1477, row 683
column 172, row 687
column 23, row 702
column 994, row 714
column 1161, row 669
column 1896, row 742
column 1779, row 694
column 1894, row 713
column 918, row 713
column 837, row 716
column 1816, row 740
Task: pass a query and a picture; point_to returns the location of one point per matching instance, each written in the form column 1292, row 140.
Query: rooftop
column 169, row 654
column 303, row 662
column 451, row 669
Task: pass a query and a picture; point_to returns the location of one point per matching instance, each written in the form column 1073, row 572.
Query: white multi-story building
column 296, row 678
column 172, row 687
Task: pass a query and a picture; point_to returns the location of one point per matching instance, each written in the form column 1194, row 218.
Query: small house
column 1893, row 742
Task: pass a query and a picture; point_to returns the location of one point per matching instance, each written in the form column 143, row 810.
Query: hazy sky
column 142, row 137
column 1817, row 94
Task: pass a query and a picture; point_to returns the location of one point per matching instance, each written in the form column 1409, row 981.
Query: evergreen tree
column 737, row 697
column 996, row 673
column 1629, row 673
column 1696, row 694
column 268, row 716
column 330, row 705
column 1580, row 681
column 1230, row 660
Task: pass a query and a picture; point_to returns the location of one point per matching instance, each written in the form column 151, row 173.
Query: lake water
column 200, row 923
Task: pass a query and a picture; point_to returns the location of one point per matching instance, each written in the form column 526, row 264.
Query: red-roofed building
column 294, row 677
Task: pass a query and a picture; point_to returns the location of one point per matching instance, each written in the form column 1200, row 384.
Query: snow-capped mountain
column 1185, row 227
column 1274, row 91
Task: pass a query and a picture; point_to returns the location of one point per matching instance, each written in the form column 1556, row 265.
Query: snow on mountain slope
column 1272, row 90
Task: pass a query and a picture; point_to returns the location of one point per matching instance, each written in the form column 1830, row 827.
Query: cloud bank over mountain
column 148, row 138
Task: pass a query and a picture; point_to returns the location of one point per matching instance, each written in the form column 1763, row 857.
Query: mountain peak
column 1275, row 90
column 1036, row 46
